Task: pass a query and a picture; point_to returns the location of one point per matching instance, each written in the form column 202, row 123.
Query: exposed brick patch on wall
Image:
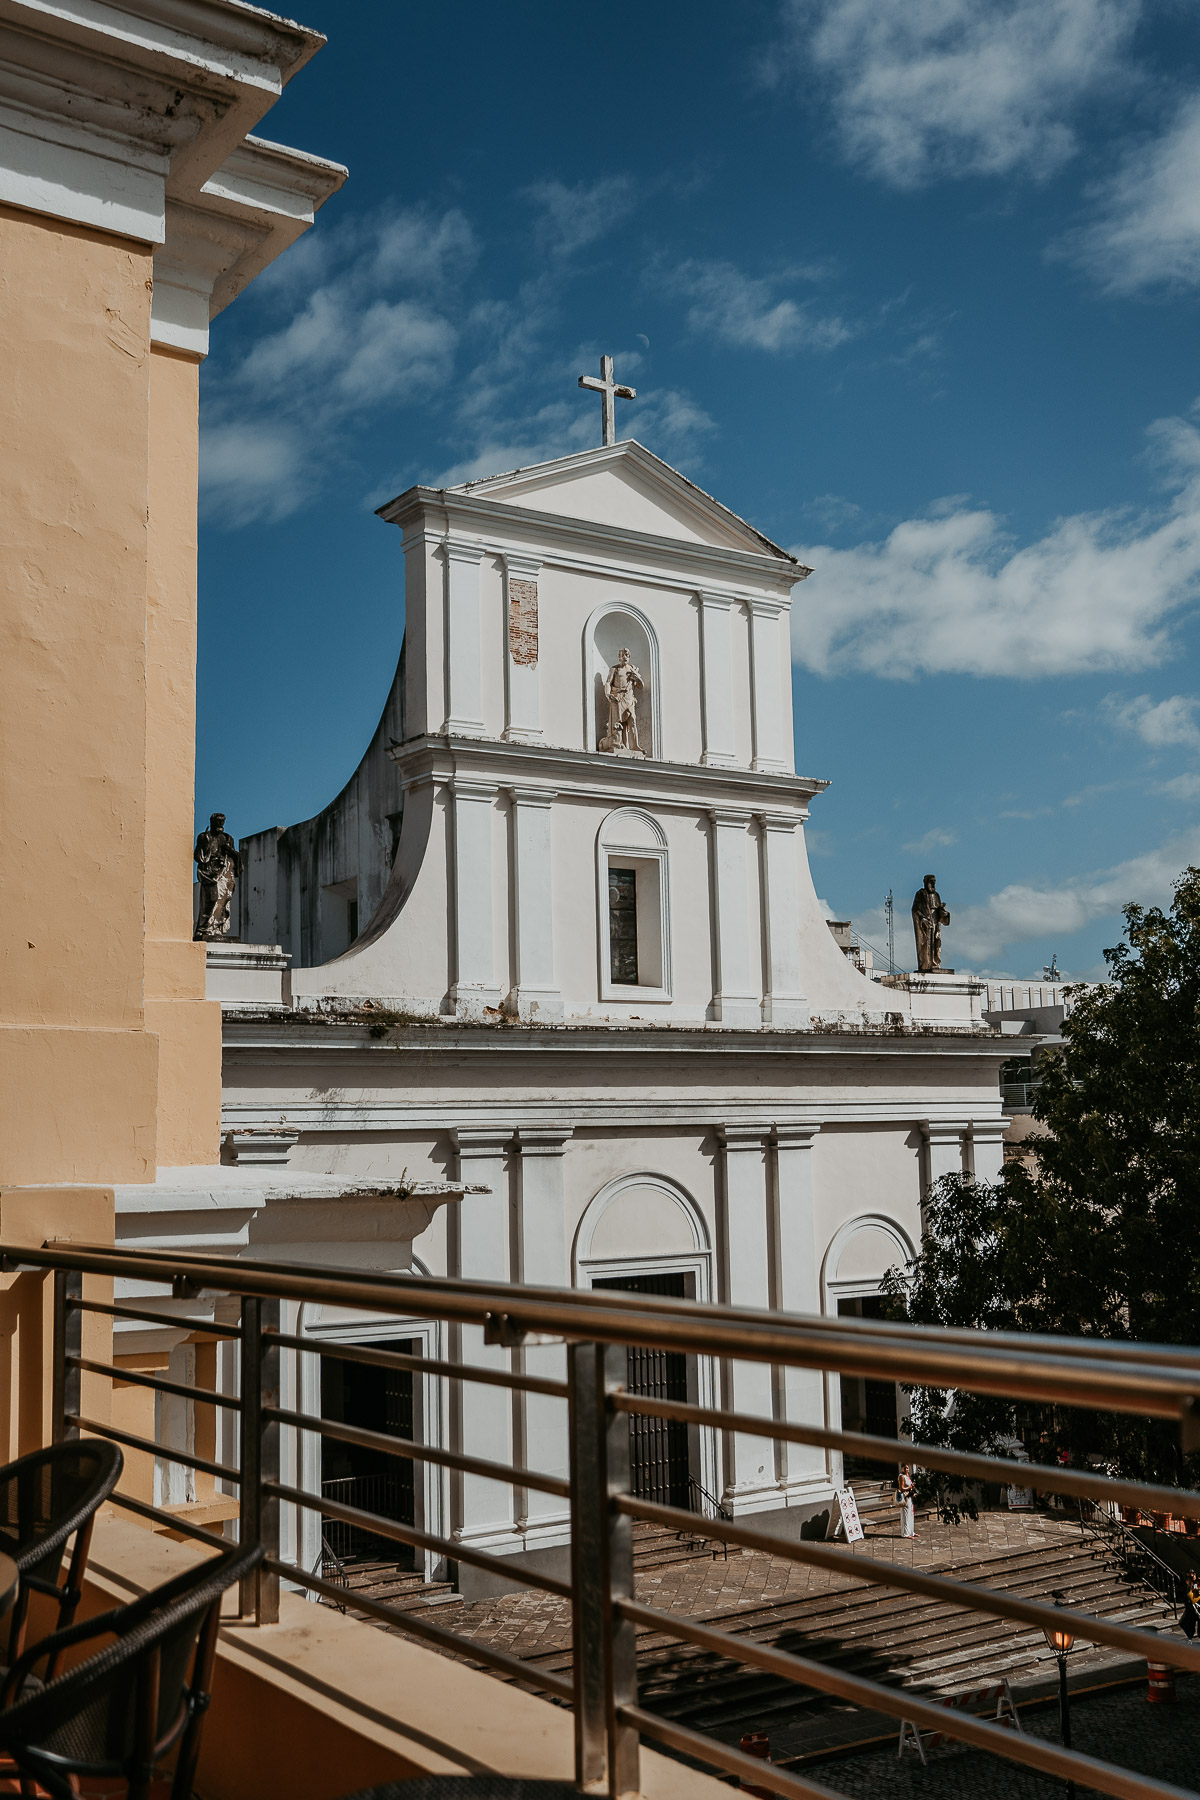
column 523, row 622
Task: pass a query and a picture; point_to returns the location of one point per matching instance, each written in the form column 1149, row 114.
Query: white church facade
column 557, row 943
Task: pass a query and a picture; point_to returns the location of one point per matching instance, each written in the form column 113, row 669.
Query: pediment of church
column 627, row 486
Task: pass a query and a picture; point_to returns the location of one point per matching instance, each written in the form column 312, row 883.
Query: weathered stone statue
column 929, row 915
column 216, row 861
column 621, row 738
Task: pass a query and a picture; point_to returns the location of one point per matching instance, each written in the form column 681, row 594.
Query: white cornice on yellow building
column 138, row 124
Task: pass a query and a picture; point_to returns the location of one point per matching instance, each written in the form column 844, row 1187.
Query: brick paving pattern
column 530, row 1624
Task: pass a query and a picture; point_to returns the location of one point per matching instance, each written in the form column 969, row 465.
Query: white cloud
column 1161, row 724
column 937, row 839
column 572, row 217
column 250, row 471
column 927, row 88
column 1146, row 231
column 1181, row 787
column 665, row 420
column 953, row 594
column 1020, row 913
column 748, row 312
column 354, row 354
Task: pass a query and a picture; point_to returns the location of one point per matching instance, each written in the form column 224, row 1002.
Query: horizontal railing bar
column 170, row 1520
column 202, row 1396
column 971, row 1596
column 413, row 1451
column 511, row 1666
column 181, row 1323
column 735, row 1762
column 421, row 1540
column 165, row 1451
column 1056, row 1480
column 425, row 1365
column 1101, row 1349
column 1141, row 1388
column 902, row 1703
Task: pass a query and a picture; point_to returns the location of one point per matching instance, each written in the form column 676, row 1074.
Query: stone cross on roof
column 610, row 394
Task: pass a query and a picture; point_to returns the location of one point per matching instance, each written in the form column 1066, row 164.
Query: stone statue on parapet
column 216, row 859
column 621, row 738
column 929, row 915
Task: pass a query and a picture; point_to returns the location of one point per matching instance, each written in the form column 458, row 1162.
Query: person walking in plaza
column 904, row 1493
column 1189, row 1593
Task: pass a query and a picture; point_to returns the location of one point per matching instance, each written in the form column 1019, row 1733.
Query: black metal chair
column 120, row 1712
column 469, row 1787
column 46, row 1498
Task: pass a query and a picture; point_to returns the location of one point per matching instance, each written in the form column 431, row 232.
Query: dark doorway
column 869, row 1406
column 373, row 1399
column 659, row 1449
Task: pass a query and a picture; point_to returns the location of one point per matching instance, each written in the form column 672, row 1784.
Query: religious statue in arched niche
column 621, row 689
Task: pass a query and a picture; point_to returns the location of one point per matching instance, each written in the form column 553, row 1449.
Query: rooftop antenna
column 889, row 908
column 1050, row 970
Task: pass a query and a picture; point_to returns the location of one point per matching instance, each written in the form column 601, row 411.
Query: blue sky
column 910, row 284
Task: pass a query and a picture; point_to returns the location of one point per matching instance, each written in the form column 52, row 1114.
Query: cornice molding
column 107, row 113
column 591, row 775
column 557, row 535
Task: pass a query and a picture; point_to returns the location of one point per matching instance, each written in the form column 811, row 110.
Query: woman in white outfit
column 904, row 1492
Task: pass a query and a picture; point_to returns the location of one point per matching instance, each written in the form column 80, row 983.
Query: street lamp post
column 1060, row 1641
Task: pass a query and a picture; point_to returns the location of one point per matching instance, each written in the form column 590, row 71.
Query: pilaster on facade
column 716, row 677
column 751, row 1475
column 535, row 995
column 770, row 660
column 522, row 660
column 783, row 1003
column 463, row 644
column 474, row 988
column 986, row 1149
column 735, row 996
column 945, row 1148
column 482, row 1419
column 542, row 1234
column 801, row 1392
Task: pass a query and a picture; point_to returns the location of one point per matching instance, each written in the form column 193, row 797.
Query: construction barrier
column 998, row 1695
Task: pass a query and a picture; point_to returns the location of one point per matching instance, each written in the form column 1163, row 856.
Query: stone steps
column 896, row 1638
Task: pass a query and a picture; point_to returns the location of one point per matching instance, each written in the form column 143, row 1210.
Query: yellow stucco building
column 135, row 203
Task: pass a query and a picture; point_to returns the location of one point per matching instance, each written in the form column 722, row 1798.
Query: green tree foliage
column 1101, row 1235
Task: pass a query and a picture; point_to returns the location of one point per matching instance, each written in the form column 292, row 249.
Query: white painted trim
column 87, row 177
column 600, row 1202
column 428, row 1422
column 585, row 1269
column 852, row 1288
column 607, row 988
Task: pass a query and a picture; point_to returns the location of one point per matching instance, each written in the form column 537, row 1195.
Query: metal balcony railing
column 240, row 1302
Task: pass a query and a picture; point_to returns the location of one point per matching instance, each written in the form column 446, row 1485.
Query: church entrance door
column 870, row 1406
column 373, row 1399
column 659, row 1449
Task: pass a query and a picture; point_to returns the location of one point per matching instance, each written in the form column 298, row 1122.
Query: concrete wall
column 297, row 881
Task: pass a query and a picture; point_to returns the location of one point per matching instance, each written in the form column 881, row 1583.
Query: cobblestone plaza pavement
column 1121, row 1727
column 532, row 1623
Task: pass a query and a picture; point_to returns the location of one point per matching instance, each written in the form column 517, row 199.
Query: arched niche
column 860, row 1254
column 612, row 628
column 639, row 1222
